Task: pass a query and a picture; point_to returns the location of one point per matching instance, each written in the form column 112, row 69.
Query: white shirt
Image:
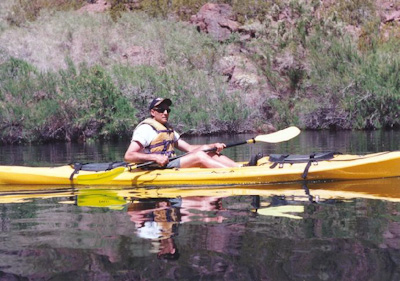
column 150, row 230
column 144, row 134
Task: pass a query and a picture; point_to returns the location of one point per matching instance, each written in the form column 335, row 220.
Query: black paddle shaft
column 230, row 145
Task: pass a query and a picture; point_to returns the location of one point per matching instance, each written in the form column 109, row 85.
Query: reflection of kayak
column 100, row 198
column 339, row 167
column 380, row 189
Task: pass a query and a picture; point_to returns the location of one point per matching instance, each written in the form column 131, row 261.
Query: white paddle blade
column 279, row 136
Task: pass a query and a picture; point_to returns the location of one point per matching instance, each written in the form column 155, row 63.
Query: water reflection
column 330, row 231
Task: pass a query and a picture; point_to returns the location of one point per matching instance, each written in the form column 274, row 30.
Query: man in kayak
column 154, row 140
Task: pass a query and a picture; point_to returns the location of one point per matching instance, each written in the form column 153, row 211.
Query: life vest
column 163, row 143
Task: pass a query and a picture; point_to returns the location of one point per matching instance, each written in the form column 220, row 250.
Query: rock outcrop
column 96, row 6
column 216, row 19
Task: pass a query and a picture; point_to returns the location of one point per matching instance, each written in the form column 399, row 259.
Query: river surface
column 318, row 231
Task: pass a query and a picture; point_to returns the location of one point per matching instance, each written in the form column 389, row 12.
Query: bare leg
column 202, row 159
column 225, row 160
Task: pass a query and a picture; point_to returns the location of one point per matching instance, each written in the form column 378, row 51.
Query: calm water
column 346, row 231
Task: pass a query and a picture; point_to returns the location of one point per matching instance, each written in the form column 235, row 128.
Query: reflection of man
column 202, row 205
column 168, row 250
column 158, row 220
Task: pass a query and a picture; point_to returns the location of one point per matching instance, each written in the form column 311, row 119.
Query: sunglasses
column 161, row 110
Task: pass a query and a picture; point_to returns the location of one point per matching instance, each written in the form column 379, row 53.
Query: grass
column 363, row 84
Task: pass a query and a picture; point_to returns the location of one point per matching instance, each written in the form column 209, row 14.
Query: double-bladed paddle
column 276, row 137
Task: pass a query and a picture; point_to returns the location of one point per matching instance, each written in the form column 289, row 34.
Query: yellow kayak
column 270, row 169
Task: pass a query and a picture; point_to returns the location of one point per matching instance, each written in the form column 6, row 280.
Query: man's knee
column 202, row 156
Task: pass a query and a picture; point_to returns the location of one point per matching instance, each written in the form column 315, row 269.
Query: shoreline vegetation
column 68, row 75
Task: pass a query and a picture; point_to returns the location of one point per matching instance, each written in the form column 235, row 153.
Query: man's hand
column 161, row 160
column 219, row 147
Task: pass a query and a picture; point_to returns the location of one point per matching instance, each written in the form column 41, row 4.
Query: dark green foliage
column 76, row 103
column 80, row 103
column 365, row 85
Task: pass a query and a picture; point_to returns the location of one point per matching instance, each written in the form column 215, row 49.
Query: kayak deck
column 340, row 167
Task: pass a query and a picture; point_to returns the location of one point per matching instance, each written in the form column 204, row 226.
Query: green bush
column 76, row 103
column 374, row 99
column 17, row 87
column 95, row 103
column 363, row 84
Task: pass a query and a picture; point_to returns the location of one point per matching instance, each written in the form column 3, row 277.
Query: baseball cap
column 158, row 101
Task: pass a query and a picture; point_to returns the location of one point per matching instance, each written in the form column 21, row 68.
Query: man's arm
column 186, row 147
column 133, row 155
